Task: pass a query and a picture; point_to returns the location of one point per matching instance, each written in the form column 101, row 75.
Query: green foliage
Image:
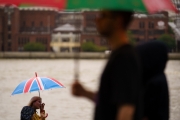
column 168, row 40
column 171, row 20
column 33, row 46
column 170, row 31
column 131, row 39
column 90, row 47
column 101, row 49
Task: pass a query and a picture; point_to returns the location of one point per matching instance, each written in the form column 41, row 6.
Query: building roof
column 39, row 8
column 70, row 12
column 147, row 16
column 5, row 5
column 66, row 27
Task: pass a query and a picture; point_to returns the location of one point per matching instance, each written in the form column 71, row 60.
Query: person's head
column 110, row 21
column 35, row 102
column 154, row 56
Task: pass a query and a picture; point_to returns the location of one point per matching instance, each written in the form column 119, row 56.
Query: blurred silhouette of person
column 29, row 112
column 119, row 94
column 154, row 56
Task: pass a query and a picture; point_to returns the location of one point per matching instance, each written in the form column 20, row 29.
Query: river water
column 60, row 104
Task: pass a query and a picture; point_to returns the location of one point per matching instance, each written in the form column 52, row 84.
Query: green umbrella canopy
column 130, row 5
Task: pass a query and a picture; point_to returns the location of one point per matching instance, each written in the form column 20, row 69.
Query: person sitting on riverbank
column 29, row 112
column 154, row 56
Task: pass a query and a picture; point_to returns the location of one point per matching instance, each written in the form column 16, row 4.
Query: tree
column 168, row 40
column 131, row 39
column 90, row 47
column 33, row 46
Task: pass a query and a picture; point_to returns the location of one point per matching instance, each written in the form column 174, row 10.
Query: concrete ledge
column 174, row 56
column 53, row 55
column 1, row 55
column 64, row 55
column 15, row 54
column 39, row 55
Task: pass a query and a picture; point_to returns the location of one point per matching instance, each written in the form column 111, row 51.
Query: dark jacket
column 27, row 113
column 154, row 56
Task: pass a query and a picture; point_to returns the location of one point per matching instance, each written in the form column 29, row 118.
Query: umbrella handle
column 76, row 66
column 36, row 74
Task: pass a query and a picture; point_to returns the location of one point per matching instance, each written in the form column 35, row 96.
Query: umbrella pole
column 76, row 64
column 36, row 79
column 39, row 93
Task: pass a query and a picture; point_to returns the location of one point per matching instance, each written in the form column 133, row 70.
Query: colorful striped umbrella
column 150, row 6
column 36, row 84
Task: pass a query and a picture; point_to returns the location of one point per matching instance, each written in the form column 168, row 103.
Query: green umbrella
column 136, row 5
column 150, row 6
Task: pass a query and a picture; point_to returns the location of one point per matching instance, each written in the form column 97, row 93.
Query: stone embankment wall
column 53, row 55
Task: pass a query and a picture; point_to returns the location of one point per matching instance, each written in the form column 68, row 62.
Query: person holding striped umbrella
column 29, row 112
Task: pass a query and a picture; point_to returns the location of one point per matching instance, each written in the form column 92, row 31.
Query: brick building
column 74, row 18
column 23, row 25
column 36, row 25
column 19, row 26
column 149, row 27
column 84, row 22
column 9, row 22
column 143, row 28
column 175, row 18
column 89, row 32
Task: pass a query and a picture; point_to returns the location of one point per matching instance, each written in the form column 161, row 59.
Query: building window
column 76, row 39
column 151, row 25
column 19, row 41
column 37, row 39
column 75, row 49
column 9, row 44
column 27, row 40
column 32, row 24
column 103, row 42
column 141, row 32
column 55, row 40
column 41, row 40
column 134, row 31
column 9, row 49
column 141, row 25
column 90, row 17
column 9, row 36
column 64, row 49
column 65, row 39
column 90, row 40
column 24, row 23
column 159, row 32
column 90, row 24
column 41, row 24
column 150, row 32
column 9, row 27
column 45, row 41
column 20, row 48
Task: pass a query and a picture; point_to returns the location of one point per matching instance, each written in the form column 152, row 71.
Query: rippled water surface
column 60, row 105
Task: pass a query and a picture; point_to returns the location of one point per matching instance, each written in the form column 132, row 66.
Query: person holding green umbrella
column 119, row 95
